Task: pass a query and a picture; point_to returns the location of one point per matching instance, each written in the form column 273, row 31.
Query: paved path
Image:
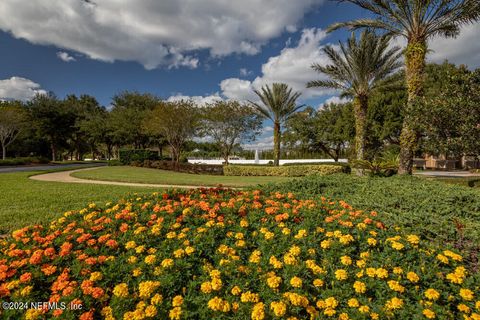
column 47, row 167
column 448, row 174
column 64, row 176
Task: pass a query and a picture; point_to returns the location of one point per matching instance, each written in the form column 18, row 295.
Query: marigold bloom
column 466, row 294
column 296, row 282
column 429, row 314
column 121, row 290
column 279, row 308
column 341, row 274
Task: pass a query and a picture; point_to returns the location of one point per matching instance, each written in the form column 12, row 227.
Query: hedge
column 284, row 171
column 23, row 161
column 180, row 167
column 128, row 156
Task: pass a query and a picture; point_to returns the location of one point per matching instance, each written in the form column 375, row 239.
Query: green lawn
column 24, row 201
column 145, row 175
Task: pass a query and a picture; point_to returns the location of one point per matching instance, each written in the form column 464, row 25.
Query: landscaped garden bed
column 214, row 253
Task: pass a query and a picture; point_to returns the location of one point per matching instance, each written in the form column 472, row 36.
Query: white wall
column 265, row 161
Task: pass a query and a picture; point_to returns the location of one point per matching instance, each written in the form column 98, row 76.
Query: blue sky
column 204, row 49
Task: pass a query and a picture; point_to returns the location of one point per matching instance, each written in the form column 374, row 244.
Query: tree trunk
column 360, row 105
column 4, row 151
column 276, row 143
column 54, row 151
column 415, row 74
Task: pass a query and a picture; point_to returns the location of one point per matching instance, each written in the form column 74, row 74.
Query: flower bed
column 215, row 253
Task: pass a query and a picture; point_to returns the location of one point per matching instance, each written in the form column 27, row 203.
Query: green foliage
column 284, row 171
column 430, row 208
column 23, row 161
column 139, row 155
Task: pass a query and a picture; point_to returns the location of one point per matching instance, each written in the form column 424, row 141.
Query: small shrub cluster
column 23, row 161
column 139, row 155
column 180, row 167
column 285, row 171
column 220, row 254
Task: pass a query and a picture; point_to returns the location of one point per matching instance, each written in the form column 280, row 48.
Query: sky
column 202, row 49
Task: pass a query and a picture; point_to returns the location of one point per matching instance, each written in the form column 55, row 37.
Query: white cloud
column 62, row 55
column 245, row 72
column 333, row 99
column 152, row 32
column 465, row 49
column 17, row 88
column 292, row 66
column 199, row 100
column 262, row 143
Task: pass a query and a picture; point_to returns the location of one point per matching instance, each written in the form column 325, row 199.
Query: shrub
column 113, row 163
column 219, row 254
column 140, row 155
column 285, row 171
column 181, row 167
column 23, row 161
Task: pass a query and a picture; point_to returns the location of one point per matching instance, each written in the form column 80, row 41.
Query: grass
column 24, row 201
column 156, row 176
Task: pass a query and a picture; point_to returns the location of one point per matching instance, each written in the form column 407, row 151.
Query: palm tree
column 418, row 21
column 278, row 105
column 358, row 69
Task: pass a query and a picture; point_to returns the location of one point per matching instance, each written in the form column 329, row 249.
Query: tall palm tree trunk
column 360, row 105
column 276, row 143
column 415, row 73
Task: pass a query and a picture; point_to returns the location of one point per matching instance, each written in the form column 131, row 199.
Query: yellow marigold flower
column 274, row 282
column 455, row 278
column 243, row 223
column 296, row 282
column 429, row 314
column 364, row 309
column 258, row 311
column 353, row 303
column 311, row 251
column 189, row 250
column 381, row 273
column 132, row 259
column 286, row 231
column 341, row 274
column 249, row 297
column 374, row 316
column 275, row 262
column 32, row 314
column 365, row 255
column 150, row 259
column 216, row 284
column 175, row 313
column 432, row 294
column 329, row 312
column 346, row 239
column 343, row 316
column 396, row 286
column 318, row 282
column 150, row 311
column 26, row 291
column 325, row 244
column 130, row 245
column 289, row 259
column 167, row 263
column 296, row 299
column 240, row 243
column 371, row 272
column 136, row 272
column 206, row 287
column 466, row 294
column 442, row 258
column 359, row 287
column 171, row 235
column 156, row 299
column 121, row 290
column 236, row 290
column 452, row 255
column 177, row 301
column 96, row 276
column 394, row 303
column 146, row 288
column 397, row 270
column 295, row 251
column 255, row 256
column 463, row 308
column 279, row 308
column 372, row 241
column 413, row 239
column 218, row 304
column 152, row 251
column 179, row 253
column 301, row 233
column 397, row 245
column 477, row 305
column 346, row 260
column 331, row 302
column 413, row 277
column 140, row 249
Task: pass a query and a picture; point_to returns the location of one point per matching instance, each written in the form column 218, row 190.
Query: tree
column 12, row 122
column 328, row 130
column 52, row 120
column 451, row 121
column 358, row 70
column 127, row 116
column 228, row 123
column 418, row 22
column 177, row 121
column 278, row 105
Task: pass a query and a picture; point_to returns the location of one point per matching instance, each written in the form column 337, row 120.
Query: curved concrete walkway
column 64, row 176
